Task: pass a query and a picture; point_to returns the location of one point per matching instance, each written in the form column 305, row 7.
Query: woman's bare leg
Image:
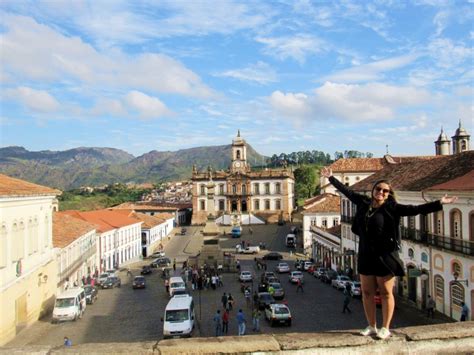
column 385, row 285
column 369, row 286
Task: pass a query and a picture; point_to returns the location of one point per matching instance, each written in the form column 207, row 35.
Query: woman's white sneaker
column 383, row 333
column 368, row 331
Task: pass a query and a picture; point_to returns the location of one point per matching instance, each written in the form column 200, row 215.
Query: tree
column 305, row 181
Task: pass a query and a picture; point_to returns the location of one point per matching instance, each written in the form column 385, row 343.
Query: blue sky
column 291, row 75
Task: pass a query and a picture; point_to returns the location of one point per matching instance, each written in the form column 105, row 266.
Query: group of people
column 221, row 321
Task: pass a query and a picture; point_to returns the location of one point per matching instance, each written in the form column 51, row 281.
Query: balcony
column 68, row 271
column 465, row 247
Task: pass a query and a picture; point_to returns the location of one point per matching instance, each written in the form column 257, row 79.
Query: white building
column 28, row 271
column 322, row 211
column 120, row 237
column 75, row 242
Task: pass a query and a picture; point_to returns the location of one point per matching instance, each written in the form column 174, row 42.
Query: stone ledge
column 455, row 338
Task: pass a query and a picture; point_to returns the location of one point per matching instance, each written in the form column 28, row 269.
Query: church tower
column 460, row 140
column 239, row 154
column 443, row 144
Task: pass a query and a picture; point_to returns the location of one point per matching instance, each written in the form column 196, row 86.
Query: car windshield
column 177, row 284
column 297, row 273
column 88, row 289
column 64, row 302
column 276, row 286
column 356, row 284
column 139, row 279
column 281, row 310
column 103, row 276
column 345, row 278
column 179, row 315
column 265, row 297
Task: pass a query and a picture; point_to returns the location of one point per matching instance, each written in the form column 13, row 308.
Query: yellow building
column 28, row 270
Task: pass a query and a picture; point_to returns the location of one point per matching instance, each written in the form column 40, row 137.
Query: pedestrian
column 250, row 230
column 224, row 300
column 174, row 264
column 256, row 314
column 376, row 222
column 129, row 272
column 67, row 341
column 167, row 285
column 464, row 312
column 225, row 322
column 213, row 282
column 255, row 298
column 299, row 285
column 230, row 302
column 217, row 323
column 241, row 322
column 430, row 306
column 347, row 298
column 271, row 290
column 84, row 280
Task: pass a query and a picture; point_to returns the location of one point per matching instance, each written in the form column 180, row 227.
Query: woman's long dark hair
column 391, row 194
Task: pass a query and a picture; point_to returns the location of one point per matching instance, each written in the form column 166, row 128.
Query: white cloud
column 297, row 47
column 108, row 107
column 71, row 59
column 260, row 72
column 374, row 101
column 146, row 106
column 441, row 20
column 371, row 71
column 447, row 54
column 35, row 100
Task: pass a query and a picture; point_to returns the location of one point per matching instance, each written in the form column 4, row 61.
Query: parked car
column 328, row 276
column 161, row 262
column 91, row 293
column 138, row 282
column 102, row 278
column 295, row 275
column 264, row 299
column 111, row 282
column 245, row 276
column 307, row 264
column 146, row 270
column 277, row 313
column 247, row 250
column 278, row 291
column 268, row 274
column 355, row 289
column 319, row 271
column 272, row 256
column 299, row 265
column 283, row 267
column 340, row 282
column 157, row 254
column 183, row 231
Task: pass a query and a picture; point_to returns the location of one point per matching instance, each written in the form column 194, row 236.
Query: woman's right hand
column 326, row 172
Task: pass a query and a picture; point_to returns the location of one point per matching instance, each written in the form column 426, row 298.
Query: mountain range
column 85, row 166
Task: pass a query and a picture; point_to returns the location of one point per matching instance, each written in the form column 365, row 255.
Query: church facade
column 265, row 194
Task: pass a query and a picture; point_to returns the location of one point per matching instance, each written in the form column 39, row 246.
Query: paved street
column 127, row 315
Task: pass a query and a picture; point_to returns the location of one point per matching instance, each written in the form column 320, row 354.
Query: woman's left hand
column 446, row 200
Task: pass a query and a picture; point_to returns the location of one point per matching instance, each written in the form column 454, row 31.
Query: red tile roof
column 462, row 183
column 106, row 220
column 148, row 221
column 67, row 229
column 323, row 203
column 421, row 174
column 15, row 187
column 372, row 164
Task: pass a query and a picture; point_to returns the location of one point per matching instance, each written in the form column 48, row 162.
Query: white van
column 69, row 305
column 177, row 286
column 179, row 317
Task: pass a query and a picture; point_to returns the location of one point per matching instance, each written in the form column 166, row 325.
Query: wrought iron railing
column 67, row 272
column 347, row 219
column 453, row 244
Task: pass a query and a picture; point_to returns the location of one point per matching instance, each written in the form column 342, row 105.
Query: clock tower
column 239, row 154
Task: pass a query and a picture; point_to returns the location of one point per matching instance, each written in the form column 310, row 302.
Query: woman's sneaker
column 368, row 331
column 383, row 333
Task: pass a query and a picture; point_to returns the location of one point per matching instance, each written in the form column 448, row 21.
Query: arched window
column 471, row 226
column 267, row 204
column 256, row 205
column 244, row 189
column 277, row 204
column 203, row 189
column 457, row 294
column 221, row 189
column 203, row 205
column 439, row 288
column 456, row 268
column 234, row 189
column 438, row 223
column 238, row 154
column 278, row 188
column 456, row 219
column 411, row 253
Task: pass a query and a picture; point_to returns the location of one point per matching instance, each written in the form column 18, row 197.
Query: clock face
column 237, row 164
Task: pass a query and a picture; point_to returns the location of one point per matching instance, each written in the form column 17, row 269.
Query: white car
column 247, row 250
column 245, row 276
column 157, row 254
column 277, row 313
column 355, row 289
column 295, row 275
column 307, row 265
column 283, row 267
column 340, row 282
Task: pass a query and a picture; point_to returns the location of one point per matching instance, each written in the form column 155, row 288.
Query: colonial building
column 180, row 211
column 76, row 249
column 154, row 228
column 323, row 212
column 119, row 240
column 28, row 270
column 253, row 196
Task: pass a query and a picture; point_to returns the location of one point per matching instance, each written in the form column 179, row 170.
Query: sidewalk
column 438, row 318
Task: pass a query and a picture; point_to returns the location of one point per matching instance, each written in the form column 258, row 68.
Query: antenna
column 386, row 147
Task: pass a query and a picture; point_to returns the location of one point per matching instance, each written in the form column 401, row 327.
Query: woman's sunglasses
column 385, row 191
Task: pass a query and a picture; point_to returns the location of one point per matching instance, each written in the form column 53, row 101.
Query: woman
column 376, row 223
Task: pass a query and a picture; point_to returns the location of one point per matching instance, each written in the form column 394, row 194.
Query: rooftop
column 66, row 229
column 15, row 187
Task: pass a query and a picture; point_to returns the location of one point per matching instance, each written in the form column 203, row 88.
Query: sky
column 292, row 75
